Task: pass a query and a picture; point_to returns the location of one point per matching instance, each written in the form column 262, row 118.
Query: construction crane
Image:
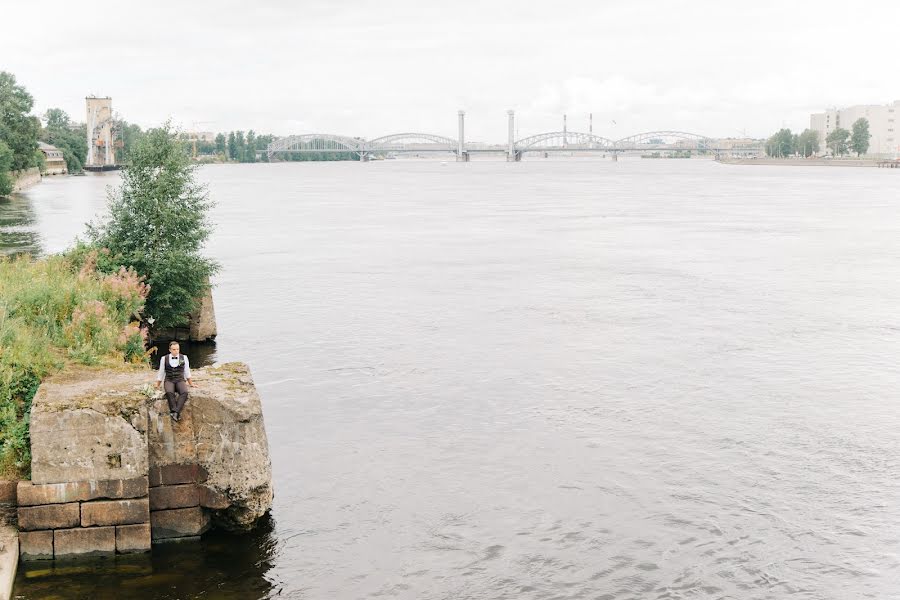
column 194, row 138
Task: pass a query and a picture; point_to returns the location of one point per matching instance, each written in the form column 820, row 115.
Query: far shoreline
column 805, row 162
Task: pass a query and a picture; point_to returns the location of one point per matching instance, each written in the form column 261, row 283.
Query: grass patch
column 54, row 313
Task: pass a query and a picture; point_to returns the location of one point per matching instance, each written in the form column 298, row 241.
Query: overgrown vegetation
column 69, row 137
column 18, row 131
column 157, row 225
column 57, row 312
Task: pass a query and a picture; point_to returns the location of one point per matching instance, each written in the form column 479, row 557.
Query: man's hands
column 158, row 384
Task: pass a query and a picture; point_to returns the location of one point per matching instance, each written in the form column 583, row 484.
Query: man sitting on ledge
column 175, row 372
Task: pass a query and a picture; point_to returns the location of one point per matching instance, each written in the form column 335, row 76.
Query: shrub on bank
column 56, row 312
column 158, row 224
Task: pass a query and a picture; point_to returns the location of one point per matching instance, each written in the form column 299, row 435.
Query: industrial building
column 100, row 134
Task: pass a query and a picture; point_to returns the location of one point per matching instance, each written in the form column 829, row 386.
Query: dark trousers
column 176, row 394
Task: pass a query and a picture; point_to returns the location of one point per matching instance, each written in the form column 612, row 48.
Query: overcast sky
column 359, row 67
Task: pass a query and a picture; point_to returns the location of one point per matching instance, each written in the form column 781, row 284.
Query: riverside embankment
column 22, row 180
column 801, row 162
column 111, row 471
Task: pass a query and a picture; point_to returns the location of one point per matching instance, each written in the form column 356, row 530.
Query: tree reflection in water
column 18, row 227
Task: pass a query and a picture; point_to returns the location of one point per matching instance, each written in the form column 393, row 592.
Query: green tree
column 130, row 135
column 250, row 150
column 859, row 139
column 158, row 223
column 57, row 118
column 6, row 158
column 240, row 145
column 837, row 141
column 220, row 144
column 206, row 148
column 18, row 129
column 69, row 138
column 781, row 144
column 232, row 146
column 808, row 142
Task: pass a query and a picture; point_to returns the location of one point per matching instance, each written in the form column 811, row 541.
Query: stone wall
column 25, row 179
column 83, row 518
column 113, row 473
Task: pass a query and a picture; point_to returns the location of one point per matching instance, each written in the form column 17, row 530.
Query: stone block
column 91, row 541
column 51, row 493
column 80, row 491
column 174, row 496
column 154, row 476
column 120, row 488
column 51, row 516
column 89, row 425
column 211, row 498
column 115, row 512
column 133, row 538
column 176, row 474
column 36, row 545
column 179, row 522
column 8, row 491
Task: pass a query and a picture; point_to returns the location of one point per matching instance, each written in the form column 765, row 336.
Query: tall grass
column 56, row 312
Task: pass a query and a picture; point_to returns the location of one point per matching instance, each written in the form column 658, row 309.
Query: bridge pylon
column 511, row 139
column 461, row 154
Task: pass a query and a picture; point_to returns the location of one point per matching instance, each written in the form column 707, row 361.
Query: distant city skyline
column 362, row 68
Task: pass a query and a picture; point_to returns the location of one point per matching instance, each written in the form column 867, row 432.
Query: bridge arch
column 563, row 139
column 664, row 139
column 411, row 141
column 315, row 142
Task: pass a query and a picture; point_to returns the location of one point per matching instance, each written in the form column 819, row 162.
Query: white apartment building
column 883, row 125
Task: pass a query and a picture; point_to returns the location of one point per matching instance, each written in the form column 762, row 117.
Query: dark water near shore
column 552, row 379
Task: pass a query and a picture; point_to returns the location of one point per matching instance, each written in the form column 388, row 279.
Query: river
column 548, row 379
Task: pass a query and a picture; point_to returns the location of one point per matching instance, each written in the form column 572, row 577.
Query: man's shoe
column 177, row 417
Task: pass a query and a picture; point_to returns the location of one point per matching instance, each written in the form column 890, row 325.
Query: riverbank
column 22, row 180
column 55, row 313
column 802, row 162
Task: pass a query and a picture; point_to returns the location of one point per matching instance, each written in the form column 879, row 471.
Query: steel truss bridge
column 555, row 141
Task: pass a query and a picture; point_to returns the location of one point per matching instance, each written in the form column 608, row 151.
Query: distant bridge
column 554, row 141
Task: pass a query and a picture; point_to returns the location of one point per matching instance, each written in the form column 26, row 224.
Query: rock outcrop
column 111, row 471
column 199, row 327
column 222, row 431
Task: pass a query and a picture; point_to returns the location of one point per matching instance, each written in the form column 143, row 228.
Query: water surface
column 549, row 379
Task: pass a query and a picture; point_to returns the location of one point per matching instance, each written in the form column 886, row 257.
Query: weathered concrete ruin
column 112, row 473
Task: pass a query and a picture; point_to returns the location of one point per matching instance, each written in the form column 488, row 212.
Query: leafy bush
column 158, row 223
column 6, row 158
column 53, row 313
